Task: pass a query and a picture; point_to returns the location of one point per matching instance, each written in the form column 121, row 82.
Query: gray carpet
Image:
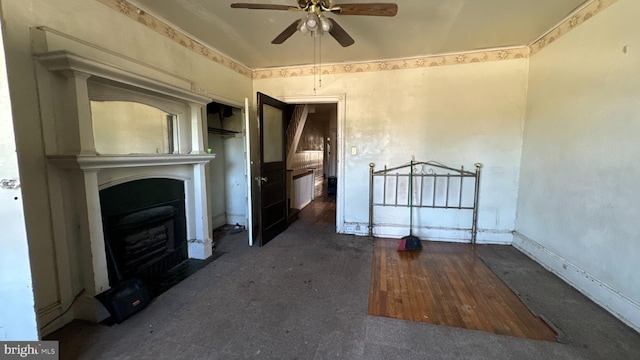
column 305, row 295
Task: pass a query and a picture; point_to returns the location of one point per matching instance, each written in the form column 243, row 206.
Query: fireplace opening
column 146, row 243
column 144, row 224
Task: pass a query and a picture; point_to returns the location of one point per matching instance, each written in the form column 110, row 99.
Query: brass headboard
column 440, row 178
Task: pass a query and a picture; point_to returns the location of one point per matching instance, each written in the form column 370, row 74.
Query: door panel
column 272, row 133
column 272, row 178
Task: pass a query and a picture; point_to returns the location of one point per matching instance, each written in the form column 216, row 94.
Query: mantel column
column 75, row 131
column 197, row 129
column 91, row 237
column 199, row 232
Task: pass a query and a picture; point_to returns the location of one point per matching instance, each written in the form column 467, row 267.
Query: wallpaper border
column 573, row 20
column 135, row 13
column 396, row 64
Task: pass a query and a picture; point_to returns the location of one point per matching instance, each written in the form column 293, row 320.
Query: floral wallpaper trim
column 578, row 17
column 396, row 64
column 153, row 23
column 581, row 15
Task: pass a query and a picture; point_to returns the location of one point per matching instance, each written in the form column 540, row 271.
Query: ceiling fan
column 316, row 23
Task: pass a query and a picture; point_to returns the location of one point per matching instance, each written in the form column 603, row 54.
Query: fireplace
column 81, row 179
column 144, row 228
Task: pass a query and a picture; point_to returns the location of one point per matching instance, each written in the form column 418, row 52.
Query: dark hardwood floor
column 447, row 284
column 322, row 211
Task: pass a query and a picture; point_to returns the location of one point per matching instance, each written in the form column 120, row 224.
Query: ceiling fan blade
column 340, row 34
column 264, row 6
column 370, row 9
column 290, row 30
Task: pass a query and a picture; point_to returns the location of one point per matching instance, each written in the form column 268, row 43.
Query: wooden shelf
column 219, row 131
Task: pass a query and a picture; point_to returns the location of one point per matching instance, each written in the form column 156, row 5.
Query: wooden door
column 272, row 180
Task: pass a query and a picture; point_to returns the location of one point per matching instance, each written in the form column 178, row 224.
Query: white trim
column 233, row 219
column 248, row 164
column 620, row 305
column 101, row 91
column 99, row 162
column 494, row 237
column 484, row 236
column 218, row 220
column 64, row 61
column 340, row 100
column 199, row 234
column 142, row 176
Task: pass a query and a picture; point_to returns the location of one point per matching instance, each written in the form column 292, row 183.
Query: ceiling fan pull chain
column 320, row 62
column 314, row 62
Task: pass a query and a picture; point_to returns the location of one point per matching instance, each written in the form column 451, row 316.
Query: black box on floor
column 332, row 185
column 125, row 299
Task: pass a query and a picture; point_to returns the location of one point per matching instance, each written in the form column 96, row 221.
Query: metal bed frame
column 422, row 171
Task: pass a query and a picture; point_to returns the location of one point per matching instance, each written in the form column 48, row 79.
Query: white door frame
column 340, row 100
column 248, row 162
column 246, row 131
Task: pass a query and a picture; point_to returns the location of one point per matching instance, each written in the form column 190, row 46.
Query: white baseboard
column 620, row 305
column 218, row 220
column 240, row 219
column 494, row 237
column 484, row 236
column 355, row 228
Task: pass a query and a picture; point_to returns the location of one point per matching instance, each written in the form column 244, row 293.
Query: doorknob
column 262, row 179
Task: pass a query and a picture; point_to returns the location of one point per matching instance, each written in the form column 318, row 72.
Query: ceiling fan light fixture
column 325, row 24
column 302, row 27
column 312, row 22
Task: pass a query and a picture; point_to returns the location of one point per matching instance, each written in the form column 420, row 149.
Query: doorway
column 254, row 173
column 331, row 109
column 311, row 159
column 227, row 172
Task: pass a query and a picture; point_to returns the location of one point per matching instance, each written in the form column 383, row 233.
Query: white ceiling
column 421, row 27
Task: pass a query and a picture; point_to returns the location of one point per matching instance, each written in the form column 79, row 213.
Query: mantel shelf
column 98, row 162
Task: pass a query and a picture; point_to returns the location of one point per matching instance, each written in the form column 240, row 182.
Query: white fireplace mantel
column 77, row 172
column 99, row 162
column 69, row 63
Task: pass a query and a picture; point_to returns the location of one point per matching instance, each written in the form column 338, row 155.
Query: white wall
column 228, row 182
column 235, row 168
column 458, row 115
column 98, row 25
column 578, row 203
column 303, row 160
column 302, row 191
column 217, row 175
column 17, row 312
